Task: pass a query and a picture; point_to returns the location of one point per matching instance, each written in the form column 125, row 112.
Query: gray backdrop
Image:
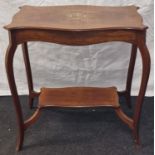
column 60, row 66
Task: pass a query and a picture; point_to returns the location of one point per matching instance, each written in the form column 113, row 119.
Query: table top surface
column 77, row 18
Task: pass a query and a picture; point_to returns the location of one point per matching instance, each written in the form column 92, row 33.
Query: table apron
column 74, row 38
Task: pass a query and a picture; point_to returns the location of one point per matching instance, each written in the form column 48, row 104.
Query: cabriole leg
column 10, row 75
column 145, row 75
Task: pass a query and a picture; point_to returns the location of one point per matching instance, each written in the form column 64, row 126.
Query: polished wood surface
column 79, row 97
column 78, row 25
column 79, row 17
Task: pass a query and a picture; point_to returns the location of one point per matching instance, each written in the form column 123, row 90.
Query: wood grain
column 79, row 97
column 77, row 17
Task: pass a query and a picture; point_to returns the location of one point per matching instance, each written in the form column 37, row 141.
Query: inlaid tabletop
column 77, row 17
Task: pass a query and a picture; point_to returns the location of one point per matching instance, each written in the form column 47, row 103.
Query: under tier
column 79, row 97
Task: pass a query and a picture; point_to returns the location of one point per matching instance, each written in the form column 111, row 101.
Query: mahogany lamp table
column 78, row 25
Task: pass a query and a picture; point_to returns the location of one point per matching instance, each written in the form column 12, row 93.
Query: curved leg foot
column 27, row 123
column 32, row 119
column 20, row 140
column 136, row 136
column 127, row 120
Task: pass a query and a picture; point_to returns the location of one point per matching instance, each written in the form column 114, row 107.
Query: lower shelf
column 79, row 97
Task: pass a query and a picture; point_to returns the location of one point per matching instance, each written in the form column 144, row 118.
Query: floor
column 76, row 132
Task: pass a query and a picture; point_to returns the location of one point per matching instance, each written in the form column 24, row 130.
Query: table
column 78, row 25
